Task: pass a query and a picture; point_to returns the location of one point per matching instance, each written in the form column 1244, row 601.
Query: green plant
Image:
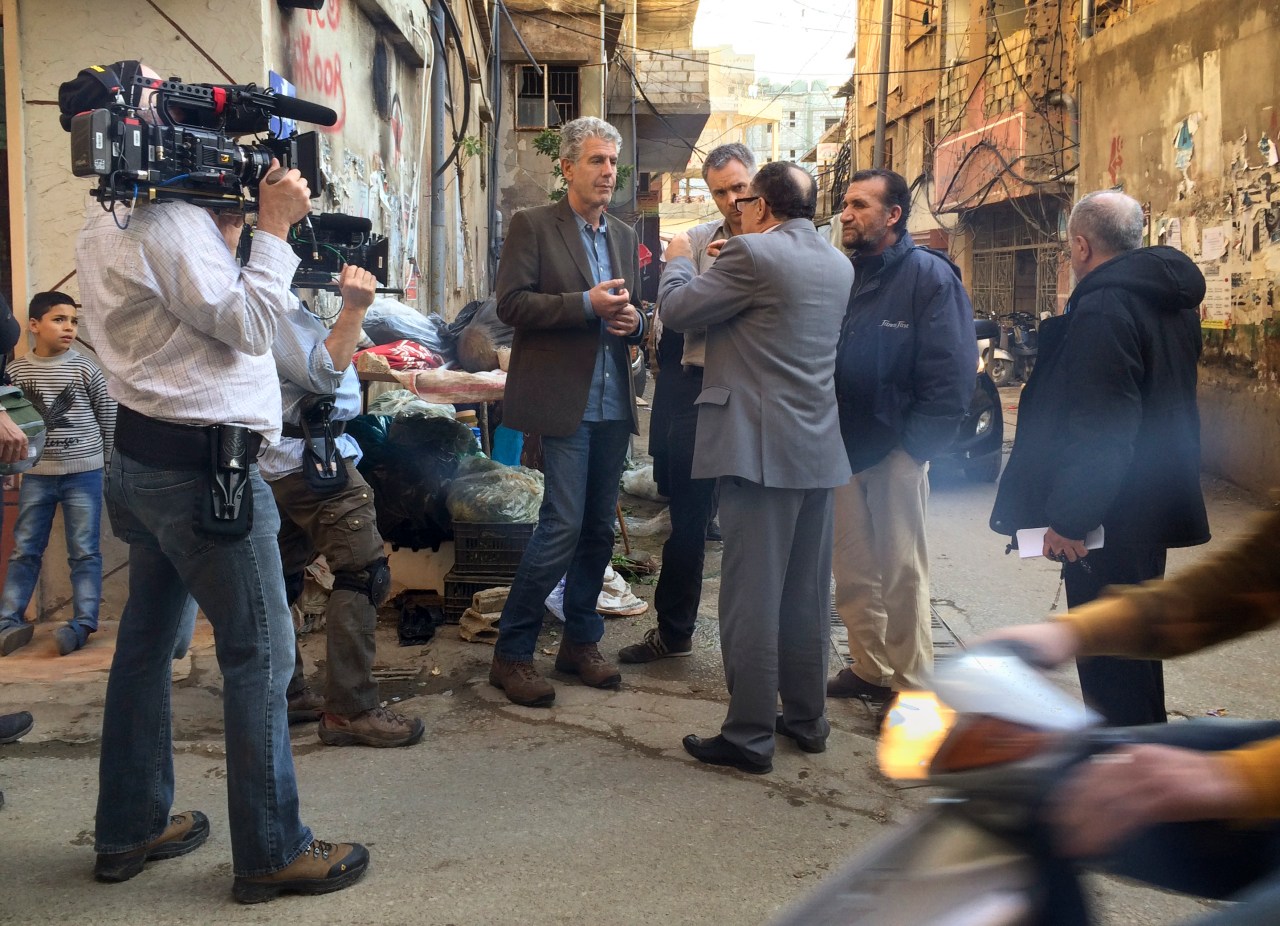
column 470, row 147
column 547, row 143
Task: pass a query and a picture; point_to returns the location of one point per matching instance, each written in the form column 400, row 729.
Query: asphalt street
column 589, row 812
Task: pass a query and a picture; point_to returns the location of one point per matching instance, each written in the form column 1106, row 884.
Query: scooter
column 1015, row 355
column 996, row 737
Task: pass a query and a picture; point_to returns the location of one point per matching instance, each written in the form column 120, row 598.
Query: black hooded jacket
column 1108, row 429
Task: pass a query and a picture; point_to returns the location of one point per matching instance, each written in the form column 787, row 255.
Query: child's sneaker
column 68, row 639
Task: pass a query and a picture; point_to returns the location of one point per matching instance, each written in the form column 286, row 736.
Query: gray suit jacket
column 772, row 304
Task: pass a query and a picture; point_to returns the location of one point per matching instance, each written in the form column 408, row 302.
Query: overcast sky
column 790, row 38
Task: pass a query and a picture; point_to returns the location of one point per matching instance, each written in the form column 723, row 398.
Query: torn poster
column 1215, row 311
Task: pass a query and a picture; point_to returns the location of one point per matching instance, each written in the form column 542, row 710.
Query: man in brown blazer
column 565, row 283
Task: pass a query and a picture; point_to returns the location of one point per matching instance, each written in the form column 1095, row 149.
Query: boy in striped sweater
column 69, row 391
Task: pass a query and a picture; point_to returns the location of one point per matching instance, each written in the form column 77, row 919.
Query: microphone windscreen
column 341, row 222
column 290, row 107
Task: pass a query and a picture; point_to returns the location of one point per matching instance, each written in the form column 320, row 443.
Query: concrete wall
column 1202, row 70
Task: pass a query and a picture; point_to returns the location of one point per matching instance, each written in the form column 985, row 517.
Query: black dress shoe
column 719, row 751
column 806, row 743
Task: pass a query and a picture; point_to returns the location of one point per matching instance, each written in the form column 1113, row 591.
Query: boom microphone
column 229, row 96
column 290, row 107
column 341, row 223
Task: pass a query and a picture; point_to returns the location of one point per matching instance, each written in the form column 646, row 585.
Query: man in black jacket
column 904, row 377
column 1109, row 433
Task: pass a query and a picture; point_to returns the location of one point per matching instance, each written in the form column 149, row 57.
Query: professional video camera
column 165, row 139
column 168, row 140
column 324, row 243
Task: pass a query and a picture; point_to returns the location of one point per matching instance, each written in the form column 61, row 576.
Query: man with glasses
column 727, row 171
column 767, row 431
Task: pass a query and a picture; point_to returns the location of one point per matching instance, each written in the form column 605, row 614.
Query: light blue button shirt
column 609, row 399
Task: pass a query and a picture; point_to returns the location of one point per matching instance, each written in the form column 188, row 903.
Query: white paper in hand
column 1031, row 541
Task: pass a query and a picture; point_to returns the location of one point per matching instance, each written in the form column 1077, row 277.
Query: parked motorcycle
column 979, row 442
column 1014, row 354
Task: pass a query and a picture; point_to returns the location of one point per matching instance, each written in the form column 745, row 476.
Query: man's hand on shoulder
column 358, row 287
column 678, row 246
column 284, row 199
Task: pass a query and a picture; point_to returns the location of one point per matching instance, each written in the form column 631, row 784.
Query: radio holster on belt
column 227, row 510
column 322, row 467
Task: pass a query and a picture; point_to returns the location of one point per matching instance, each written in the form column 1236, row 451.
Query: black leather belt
column 165, row 444
column 295, row 430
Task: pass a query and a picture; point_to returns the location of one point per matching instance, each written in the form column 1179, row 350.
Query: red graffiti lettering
column 1117, row 159
column 316, row 75
column 328, row 18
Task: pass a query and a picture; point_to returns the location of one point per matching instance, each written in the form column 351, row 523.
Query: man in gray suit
column 768, row 431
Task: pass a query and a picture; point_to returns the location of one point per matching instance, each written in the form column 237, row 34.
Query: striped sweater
column 70, row 393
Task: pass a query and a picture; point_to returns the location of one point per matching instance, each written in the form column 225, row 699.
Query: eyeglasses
column 737, row 206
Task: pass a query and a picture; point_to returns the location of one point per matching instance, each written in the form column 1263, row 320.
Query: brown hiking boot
column 584, row 660
column 378, row 727
column 185, row 833
column 305, row 706
column 321, row 868
column 521, row 682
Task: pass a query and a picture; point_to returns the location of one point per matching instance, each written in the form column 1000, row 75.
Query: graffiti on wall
column 367, row 170
column 317, row 61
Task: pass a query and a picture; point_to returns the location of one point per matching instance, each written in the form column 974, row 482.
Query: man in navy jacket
column 905, row 371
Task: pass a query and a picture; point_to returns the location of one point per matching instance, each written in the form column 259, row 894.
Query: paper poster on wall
column 1173, row 233
column 1215, row 311
column 1214, row 243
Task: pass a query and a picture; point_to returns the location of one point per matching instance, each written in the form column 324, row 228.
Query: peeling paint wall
column 370, row 158
column 1182, row 103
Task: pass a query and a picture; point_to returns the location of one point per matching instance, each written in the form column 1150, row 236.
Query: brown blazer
column 542, row 275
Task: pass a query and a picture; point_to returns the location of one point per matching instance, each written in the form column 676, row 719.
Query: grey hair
column 1109, row 220
column 720, row 157
column 573, row 135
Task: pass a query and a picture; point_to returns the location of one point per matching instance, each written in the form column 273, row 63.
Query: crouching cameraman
column 327, row 507
column 184, row 336
column 1194, row 806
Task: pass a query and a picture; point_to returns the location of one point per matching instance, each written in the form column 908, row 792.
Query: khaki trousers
column 881, row 565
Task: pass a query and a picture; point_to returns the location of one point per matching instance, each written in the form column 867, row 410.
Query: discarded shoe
column 322, row 867
column 521, row 682
column 305, row 706
column 719, row 751
column 185, row 833
column 585, row 661
column 378, row 727
column 11, row 638
column 848, row 685
column 652, row 647
column 14, row 727
column 813, row 744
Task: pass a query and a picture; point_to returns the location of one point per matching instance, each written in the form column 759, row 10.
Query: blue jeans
column 80, row 495
column 239, row 584
column 574, row 538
